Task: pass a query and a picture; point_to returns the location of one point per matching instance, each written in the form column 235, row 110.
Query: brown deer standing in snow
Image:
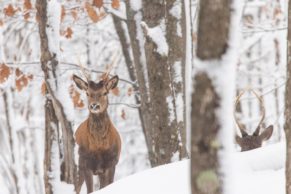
column 249, row 142
column 98, row 140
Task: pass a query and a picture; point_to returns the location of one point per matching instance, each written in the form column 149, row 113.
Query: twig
column 125, row 104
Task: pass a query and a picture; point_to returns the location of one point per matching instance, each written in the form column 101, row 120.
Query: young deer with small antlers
column 98, row 140
column 249, row 142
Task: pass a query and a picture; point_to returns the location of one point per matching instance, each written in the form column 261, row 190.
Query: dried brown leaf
column 26, row 16
column 63, row 13
column 115, row 4
column 27, row 5
column 4, row 73
column 43, row 88
column 21, row 83
column 69, row 33
column 98, row 3
column 74, row 14
column 115, row 91
column 9, row 10
column 123, row 115
column 91, row 13
column 76, row 97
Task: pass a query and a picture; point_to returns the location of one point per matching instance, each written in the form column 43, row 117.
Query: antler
column 87, row 76
column 105, row 76
column 257, row 132
column 236, row 121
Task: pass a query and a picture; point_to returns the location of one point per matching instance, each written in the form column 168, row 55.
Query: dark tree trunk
column 205, row 128
column 213, row 34
column 287, row 126
column 51, row 139
column 156, row 75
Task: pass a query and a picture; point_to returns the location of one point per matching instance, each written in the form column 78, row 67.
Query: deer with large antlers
column 98, row 140
column 255, row 140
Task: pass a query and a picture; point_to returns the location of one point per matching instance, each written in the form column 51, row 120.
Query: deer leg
column 89, row 180
column 111, row 174
column 107, row 177
column 81, row 179
column 102, row 180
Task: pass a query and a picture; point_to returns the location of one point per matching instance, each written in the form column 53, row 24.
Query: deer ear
column 238, row 140
column 267, row 133
column 112, row 83
column 80, row 83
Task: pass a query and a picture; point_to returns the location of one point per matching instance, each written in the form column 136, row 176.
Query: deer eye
column 87, row 93
column 105, row 93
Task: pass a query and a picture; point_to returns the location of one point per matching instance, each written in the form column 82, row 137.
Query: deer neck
column 99, row 124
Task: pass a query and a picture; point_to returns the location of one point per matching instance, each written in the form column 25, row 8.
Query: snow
column 141, row 42
column 169, row 179
column 135, row 4
column 178, row 72
column 176, row 11
column 188, row 71
column 157, row 35
column 179, row 107
column 53, row 31
column 260, row 171
column 170, row 104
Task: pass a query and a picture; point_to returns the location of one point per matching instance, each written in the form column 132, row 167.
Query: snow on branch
column 157, row 36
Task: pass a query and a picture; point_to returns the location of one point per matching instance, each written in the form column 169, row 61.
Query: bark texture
column 156, row 76
column 205, row 128
column 49, row 65
column 122, row 32
column 51, row 138
column 287, row 125
column 213, row 27
column 213, row 34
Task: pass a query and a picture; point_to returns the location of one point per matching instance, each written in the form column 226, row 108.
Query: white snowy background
column 261, row 65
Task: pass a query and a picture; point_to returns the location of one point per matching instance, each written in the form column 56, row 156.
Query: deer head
column 96, row 92
column 255, row 140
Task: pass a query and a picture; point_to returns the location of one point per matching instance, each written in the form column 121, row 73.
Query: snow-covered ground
column 260, row 171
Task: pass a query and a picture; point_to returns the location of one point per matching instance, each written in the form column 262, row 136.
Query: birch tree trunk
column 214, row 91
column 160, row 70
column 48, row 30
column 287, row 126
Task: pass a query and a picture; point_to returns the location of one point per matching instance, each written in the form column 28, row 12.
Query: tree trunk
column 122, row 32
column 213, row 89
column 287, row 126
column 49, row 65
column 205, row 128
column 51, row 147
column 160, row 75
column 11, row 143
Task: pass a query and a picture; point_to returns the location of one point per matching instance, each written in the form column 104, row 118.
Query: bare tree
column 160, row 74
column 54, row 112
column 287, row 126
column 214, row 90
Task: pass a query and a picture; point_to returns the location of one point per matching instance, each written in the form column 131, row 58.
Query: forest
column 145, row 96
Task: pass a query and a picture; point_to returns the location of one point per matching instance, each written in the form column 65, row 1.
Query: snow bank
column 169, row 179
column 258, row 171
column 271, row 157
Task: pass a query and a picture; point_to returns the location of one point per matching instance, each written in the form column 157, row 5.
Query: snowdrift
column 260, row 171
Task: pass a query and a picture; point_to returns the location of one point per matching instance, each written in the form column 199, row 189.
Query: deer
column 248, row 142
column 99, row 141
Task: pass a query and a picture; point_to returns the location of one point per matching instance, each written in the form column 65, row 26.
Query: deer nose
column 94, row 106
